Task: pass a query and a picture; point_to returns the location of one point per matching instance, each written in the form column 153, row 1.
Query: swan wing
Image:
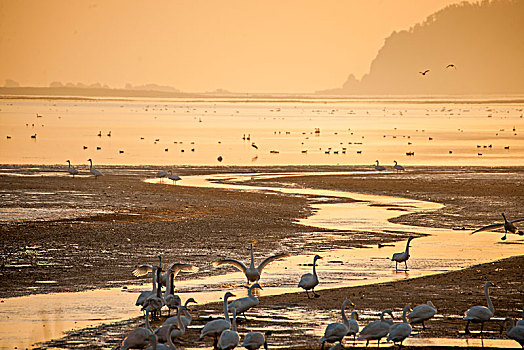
column 334, row 332
column 238, row 264
column 421, row 312
column 487, row 228
column 142, row 270
column 269, row 260
column 480, row 313
column 516, row 220
column 177, row 267
column 306, row 280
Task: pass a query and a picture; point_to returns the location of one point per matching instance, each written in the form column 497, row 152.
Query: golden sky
column 243, row 46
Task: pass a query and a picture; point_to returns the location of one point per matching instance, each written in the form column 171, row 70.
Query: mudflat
column 124, row 222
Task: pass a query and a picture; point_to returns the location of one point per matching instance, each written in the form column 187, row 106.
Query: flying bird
column 254, row 146
column 508, row 226
column 424, row 72
column 451, row 65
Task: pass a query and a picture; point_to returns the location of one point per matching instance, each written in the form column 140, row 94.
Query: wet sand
column 99, row 250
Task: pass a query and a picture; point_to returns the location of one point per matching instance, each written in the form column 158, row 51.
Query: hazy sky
column 249, row 46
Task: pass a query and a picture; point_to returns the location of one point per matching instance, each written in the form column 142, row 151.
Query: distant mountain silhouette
column 467, row 48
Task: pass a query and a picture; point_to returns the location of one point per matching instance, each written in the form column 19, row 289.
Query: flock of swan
column 224, row 332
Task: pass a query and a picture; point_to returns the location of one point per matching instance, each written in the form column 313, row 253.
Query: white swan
column 155, row 302
column 521, row 322
column 161, row 174
column 514, row 332
column 480, row 314
column 216, row 327
column 376, row 330
column 241, row 305
column 255, row 340
column 186, row 320
column 508, row 226
column 252, row 273
column 336, row 331
column 71, row 170
column 229, row 339
column 171, row 300
column 156, row 346
column 92, row 170
column 398, row 167
column 310, row 280
column 175, row 268
column 400, row 331
column 422, row 313
column 353, row 325
column 402, row 257
column 138, row 338
column 141, row 271
column 379, row 167
column 173, row 177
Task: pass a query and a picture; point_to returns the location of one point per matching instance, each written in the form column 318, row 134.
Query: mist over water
column 285, row 132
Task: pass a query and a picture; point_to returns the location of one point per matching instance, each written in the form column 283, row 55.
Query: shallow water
column 442, row 251
column 196, row 132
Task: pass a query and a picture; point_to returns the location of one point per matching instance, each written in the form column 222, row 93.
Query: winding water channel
column 36, row 318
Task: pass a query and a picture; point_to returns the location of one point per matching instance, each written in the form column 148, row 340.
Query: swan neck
column 404, row 312
column 171, row 288
column 90, row 164
column 344, row 318
column 490, row 304
column 407, row 246
column 170, row 341
column 511, row 324
column 315, row 267
column 226, row 314
column 154, row 278
column 252, row 264
column 179, row 320
column 148, row 326
column 234, row 325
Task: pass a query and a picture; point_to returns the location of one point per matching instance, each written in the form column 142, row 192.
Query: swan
column 92, row 170
column 255, row 340
column 480, row 314
column 229, row 339
column 514, row 332
column 144, row 295
column 71, row 170
column 161, row 174
column 170, row 299
column 310, row 281
column 402, row 257
column 376, row 330
column 186, row 320
column 139, row 337
column 508, row 226
column 252, row 273
column 353, row 325
column 163, row 331
column 400, row 331
column 521, row 322
column 175, row 268
column 155, row 302
column 143, row 270
column 243, row 304
column 173, row 177
column 379, row 167
column 216, row 327
column 422, row 313
column 156, row 346
column 398, row 167
column 336, row 331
